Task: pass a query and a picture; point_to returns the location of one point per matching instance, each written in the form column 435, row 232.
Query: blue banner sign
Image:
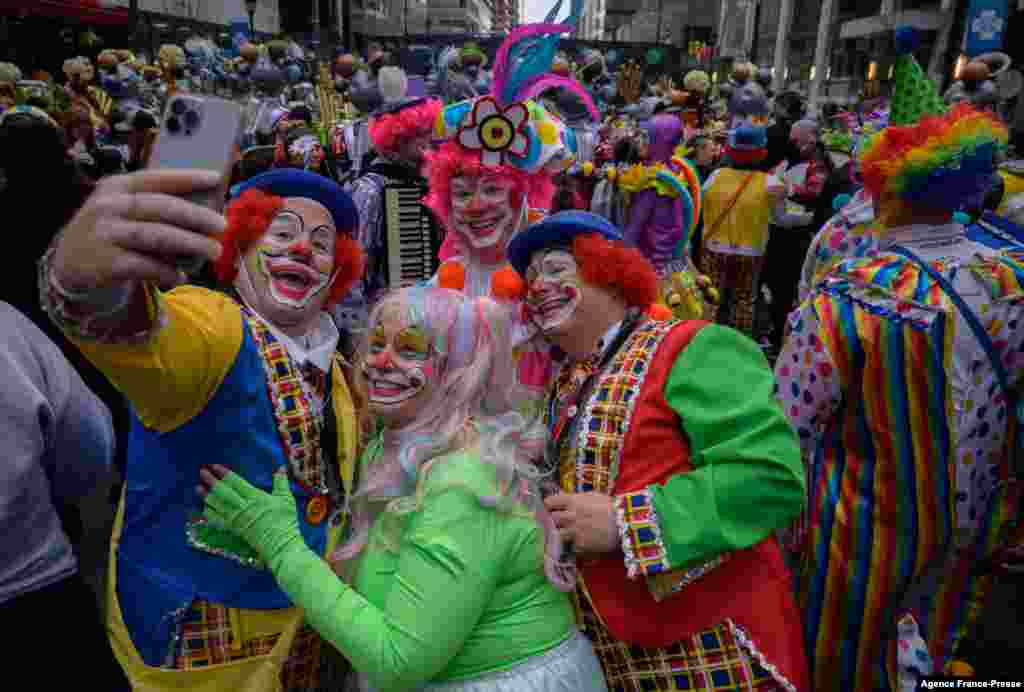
column 986, row 26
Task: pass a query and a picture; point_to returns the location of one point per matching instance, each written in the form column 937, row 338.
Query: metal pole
column 941, row 47
column 757, row 32
column 133, row 21
column 749, row 12
column 821, row 53
column 720, row 42
column 782, row 46
column 661, row 5
column 346, row 19
column 317, row 37
column 406, row 18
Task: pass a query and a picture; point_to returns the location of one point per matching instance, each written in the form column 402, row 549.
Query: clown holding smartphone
column 250, row 375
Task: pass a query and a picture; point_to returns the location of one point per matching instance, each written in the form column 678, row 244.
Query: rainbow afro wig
column 930, row 156
column 941, row 162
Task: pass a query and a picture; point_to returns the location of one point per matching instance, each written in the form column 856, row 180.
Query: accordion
column 413, row 237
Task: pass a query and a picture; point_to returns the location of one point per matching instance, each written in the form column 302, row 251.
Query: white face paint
column 483, row 211
column 401, row 370
column 287, row 274
column 554, row 289
column 297, row 262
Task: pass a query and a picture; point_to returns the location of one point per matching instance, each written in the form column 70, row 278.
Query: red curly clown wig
column 388, row 130
column 617, row 268
column 451, row 160
column 249, row 215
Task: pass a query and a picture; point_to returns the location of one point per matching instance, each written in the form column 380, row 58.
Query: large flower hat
column 508, row 126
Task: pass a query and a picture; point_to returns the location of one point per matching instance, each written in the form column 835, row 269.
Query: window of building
column 859, row 8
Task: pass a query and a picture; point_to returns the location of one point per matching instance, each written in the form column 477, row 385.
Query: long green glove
column 267, row 522
column 441, row 577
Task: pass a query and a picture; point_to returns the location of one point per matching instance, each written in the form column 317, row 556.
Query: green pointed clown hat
column 929, row 155
column 915, row 96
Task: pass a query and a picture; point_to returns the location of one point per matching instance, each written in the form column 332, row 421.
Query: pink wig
column 388, row 130
column 451, row 160
column 471, row 338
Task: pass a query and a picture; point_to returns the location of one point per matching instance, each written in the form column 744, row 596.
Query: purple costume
column 655, row 222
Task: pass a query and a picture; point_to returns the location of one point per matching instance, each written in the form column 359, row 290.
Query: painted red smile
column 293, row 279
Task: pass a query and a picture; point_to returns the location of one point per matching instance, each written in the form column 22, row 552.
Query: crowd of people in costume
column 702, row 391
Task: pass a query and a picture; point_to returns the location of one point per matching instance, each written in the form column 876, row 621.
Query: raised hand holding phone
column 199, row 133
column 132, row 229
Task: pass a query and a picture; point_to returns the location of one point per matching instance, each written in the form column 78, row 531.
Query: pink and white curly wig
column 472, row 338
column 388, row 130
column 452, row 160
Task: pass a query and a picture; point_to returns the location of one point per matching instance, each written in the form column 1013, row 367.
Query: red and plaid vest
column 628, row 439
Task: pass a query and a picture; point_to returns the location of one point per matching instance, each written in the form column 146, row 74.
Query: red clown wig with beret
column 249, row 216
column 617, row 268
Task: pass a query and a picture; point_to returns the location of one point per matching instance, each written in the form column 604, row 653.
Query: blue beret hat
column 292, row 182
column 554, row 230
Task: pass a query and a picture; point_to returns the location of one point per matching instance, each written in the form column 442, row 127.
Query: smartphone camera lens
column 173, row 126
column 178, row 107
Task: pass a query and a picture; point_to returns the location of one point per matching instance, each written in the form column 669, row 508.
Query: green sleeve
column 442, row 576
column 747, row 479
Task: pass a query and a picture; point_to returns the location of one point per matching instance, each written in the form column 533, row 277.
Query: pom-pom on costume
column 694, row 593
column 494, row 173
column 211, row 380
column 921, row 332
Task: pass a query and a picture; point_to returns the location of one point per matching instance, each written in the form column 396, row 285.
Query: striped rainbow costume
column 905, row 437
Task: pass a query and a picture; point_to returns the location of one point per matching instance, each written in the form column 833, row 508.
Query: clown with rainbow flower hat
column 493, row 174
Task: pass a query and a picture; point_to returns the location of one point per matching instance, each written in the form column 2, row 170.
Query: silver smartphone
column 200, row 132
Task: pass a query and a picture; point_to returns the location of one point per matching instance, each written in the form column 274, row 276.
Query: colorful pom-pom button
column 961, row 669
column 316, row 510
column 548, row 133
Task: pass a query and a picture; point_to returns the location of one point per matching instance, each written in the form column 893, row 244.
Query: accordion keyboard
column 412, row 244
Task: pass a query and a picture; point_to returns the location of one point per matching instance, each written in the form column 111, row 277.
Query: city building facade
column 506, row 15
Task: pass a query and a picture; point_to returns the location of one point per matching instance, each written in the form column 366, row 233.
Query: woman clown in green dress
column 455, row 576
